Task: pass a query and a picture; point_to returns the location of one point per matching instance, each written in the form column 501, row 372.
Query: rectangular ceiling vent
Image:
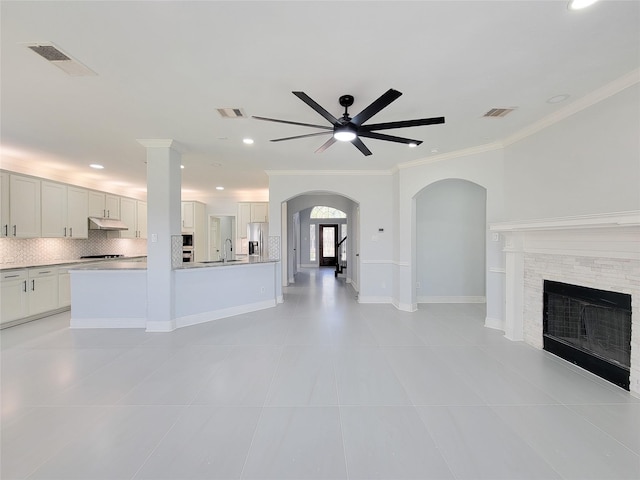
column 231, row 113
column 60, row 59
column 499, row 112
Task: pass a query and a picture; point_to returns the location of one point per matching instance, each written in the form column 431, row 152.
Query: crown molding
column 306, row 173
column 161, row 143
column 488, row 147
column 582, row 103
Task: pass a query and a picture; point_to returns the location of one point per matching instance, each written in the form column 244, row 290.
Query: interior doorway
column 328, row 238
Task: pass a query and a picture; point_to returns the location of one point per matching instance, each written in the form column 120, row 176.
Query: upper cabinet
column 134, row 214
column 104, row 205
column 4, row 204
column 64, row 211
column 251, row 212
column 24, row 207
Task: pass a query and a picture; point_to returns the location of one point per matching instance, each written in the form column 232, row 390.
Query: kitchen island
column 114, row 295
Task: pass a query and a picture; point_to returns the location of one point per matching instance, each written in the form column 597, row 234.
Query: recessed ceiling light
column 558, row 98
column 216, row 164
column 247, row 141
column 413, row 145
column 580, row 4
column 219, row 188
column 182, row 166
column 96, row 166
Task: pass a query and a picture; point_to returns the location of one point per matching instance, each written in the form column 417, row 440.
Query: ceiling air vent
column 499, row 112
column 231, row 113
column 63, row 61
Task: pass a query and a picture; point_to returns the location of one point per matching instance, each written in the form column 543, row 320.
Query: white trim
column 453, row 299
column 406, row 307
column 615, row 219
column 161, row 143
column 374, row 299
column 497, row 270
column 288, row 173
column 280, row 299
column 309, row 265
column 355, row 286
column 161, row 327
column 580, row 104
column 117, row 322
column 495, row 323
column 223, row 313
column 488, row 147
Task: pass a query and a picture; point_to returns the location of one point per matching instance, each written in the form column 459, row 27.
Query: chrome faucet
column 224, row 254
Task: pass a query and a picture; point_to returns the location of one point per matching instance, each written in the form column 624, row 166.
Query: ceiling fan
column 348, row 129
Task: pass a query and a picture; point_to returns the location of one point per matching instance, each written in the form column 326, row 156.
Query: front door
column 328, row 235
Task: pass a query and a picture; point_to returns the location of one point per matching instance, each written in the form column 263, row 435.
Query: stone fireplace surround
column 596, row 251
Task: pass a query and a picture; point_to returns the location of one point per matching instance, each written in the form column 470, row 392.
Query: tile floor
column 319, row 387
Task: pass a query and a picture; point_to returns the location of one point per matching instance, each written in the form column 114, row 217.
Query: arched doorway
column 450, row 242
column 303, row 226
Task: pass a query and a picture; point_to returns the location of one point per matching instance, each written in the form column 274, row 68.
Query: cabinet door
column 142, row 219
column 24, row 207
column 128, row 216
column 54, row 210
column 187, row 217
column 4, row 204
column 112, row 206
column 43, row 290
column 13, row 295
column 259, row 212
column 97, row 206
column 64, row 289
column 244, row 217
column 77, row 212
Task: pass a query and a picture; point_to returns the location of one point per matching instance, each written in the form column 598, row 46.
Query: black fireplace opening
column 590, row 328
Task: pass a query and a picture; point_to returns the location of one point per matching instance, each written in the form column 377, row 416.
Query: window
column 327, row 212
column 312, row 242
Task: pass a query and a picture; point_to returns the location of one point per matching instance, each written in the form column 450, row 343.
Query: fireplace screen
column 589, row 327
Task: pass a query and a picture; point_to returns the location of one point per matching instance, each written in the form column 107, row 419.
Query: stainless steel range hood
column 97, row 223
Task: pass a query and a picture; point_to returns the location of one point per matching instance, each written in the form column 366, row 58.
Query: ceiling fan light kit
column 348, row 129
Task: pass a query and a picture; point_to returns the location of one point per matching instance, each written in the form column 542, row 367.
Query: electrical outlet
column 418, row 285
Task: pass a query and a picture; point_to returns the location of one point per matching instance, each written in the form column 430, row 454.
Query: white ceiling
column 164, row 67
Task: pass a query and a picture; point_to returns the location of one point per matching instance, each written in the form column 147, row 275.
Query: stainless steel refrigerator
column 257, row 236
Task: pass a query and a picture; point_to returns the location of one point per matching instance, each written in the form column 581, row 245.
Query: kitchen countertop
column 73, row 262
column 128, row 265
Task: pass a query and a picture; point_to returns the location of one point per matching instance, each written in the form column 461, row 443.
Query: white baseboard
column 456, row 299
column 406, row 307
column 280, row 299
column 108, row 322
column 374, row 299
column 308, row 265
column 204, row 317
column 494, row 323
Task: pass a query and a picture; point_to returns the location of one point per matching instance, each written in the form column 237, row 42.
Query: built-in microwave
column 187, row 239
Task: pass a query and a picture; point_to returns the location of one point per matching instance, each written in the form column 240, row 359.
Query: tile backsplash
column 38, row 250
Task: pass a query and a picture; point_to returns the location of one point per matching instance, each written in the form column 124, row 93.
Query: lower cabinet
column 28, row 292
column 64, row 288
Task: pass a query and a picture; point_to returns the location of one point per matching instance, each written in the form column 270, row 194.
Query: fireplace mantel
column 600, row 251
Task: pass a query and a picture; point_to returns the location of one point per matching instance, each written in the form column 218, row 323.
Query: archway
column 299, row 224
column 450, row 242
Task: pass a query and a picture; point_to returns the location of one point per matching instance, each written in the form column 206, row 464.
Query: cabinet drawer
column 14, row 275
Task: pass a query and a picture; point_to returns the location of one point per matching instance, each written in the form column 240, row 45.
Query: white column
column 164, row 180
column 514, row 287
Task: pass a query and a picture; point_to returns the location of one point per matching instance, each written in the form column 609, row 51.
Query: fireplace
column 590, row 328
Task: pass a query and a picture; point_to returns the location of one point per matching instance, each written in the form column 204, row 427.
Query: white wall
column 372, row 191
column 587, row 163
column 450, row 242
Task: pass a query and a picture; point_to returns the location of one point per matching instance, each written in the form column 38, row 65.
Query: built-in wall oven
column 187, row 247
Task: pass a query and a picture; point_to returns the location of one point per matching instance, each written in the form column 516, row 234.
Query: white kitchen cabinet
column 64, row 288
column 64, row 211
column 24, row 207
column 133, row 213
column 13, row 295
column 42, row 286
column 4, row 204
column 104, row 205
column 260, row 212
column 188, row 216
column 194, row 221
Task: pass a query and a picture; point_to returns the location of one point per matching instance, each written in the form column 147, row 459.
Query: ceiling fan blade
column 402, row 124
column 324, row 127
column 384, row 100
column 389, row 138
column 326, row 145
column 299, row 136
column 361, row 146
column 309, row 101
